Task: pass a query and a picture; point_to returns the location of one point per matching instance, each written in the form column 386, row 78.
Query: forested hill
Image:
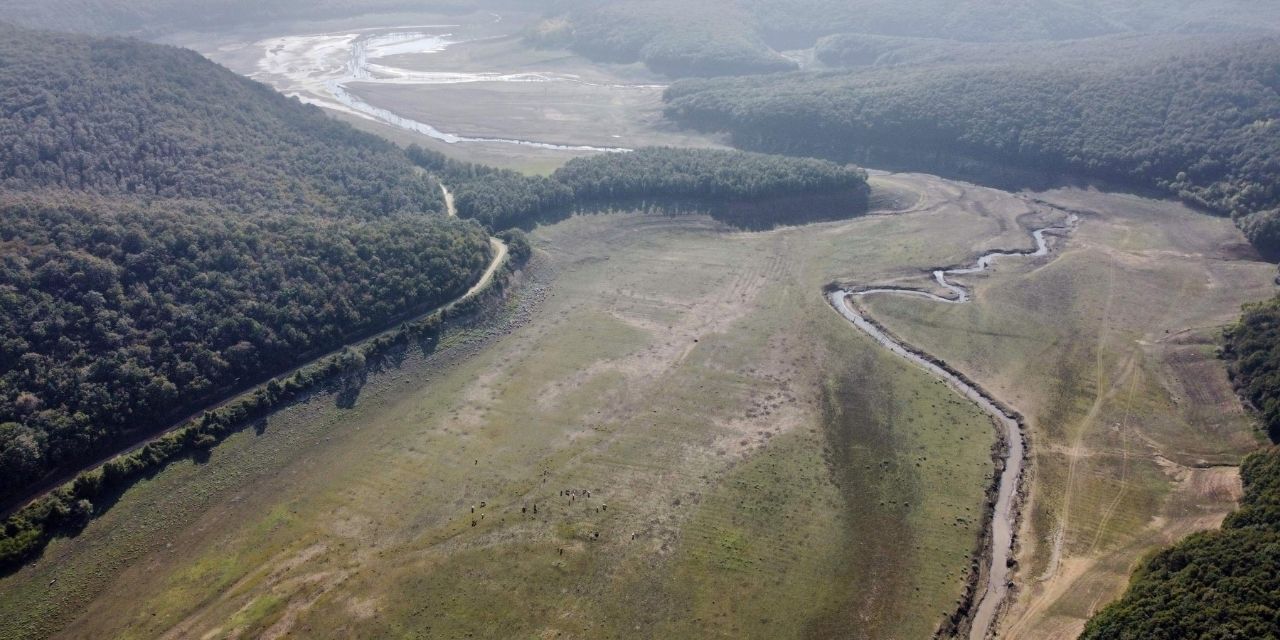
column 154, row 17
column 1195, row 118
column 171, row 232
column 121, row 117
column 733, row 37
column 746, row 190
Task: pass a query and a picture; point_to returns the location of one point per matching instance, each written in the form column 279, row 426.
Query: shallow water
column 1004, row 516
column 317, row 68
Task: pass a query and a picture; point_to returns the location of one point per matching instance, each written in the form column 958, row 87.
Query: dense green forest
column 748, row 190
column 863, row 50
column 118, row 318
column 172, row 232
column 735, row 37
column 1252, row 350
column 1216, row 585
column 1193, row 118
column 119, row 117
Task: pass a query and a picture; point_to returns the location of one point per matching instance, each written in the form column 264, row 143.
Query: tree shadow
column 348, row 388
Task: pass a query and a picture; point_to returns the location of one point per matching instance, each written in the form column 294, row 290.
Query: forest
column 1220, row 584
column 1252, row 351
column 1216, row 584
column 743, row 189
column 736, row 37
column 151, row 18
column 173, row 233
column 689, row 39
column 120, row 117
column 678, row 39
column 1190, row 119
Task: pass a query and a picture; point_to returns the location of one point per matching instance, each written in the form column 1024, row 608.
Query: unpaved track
column 450, row 207
column 499, row 248
column 1004, row 516
column 499, row 259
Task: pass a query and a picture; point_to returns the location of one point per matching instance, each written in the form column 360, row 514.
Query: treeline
column 1217, row 584
column 117, row 319
column 798, row 23
column 1252, row 350
column 147, row 18
column 1196, row 121
column 69, row 507
column 172, row 233
column 748, row 190
column 1220, row 584
column 497, row 198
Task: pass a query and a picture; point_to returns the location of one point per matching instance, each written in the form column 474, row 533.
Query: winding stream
column 318, row 68
column 1005, row 514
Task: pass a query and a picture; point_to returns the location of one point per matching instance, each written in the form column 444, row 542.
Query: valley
column 467, row 85
column 677, row 390
column 734, row 435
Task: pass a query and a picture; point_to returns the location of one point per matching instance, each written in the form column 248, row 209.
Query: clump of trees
column 173, row 233
column 749, row 190
column 1193, row 117
column 736, row 37
column 1216, row 584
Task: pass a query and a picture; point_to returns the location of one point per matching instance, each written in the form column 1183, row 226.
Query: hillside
column 742, row 189
column 122, row 118
column 147, row 18
column 1192, row 117
column 735, row 37
column 1216, row 584
column 173, row 232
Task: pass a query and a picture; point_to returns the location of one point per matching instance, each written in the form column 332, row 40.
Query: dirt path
column 449, row 206
column 499, row 248
column 989, row 599
column 499, row 259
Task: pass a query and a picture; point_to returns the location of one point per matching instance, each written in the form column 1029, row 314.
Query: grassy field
column 1109, row 349
column 756, row 467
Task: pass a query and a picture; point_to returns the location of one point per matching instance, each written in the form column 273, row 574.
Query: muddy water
column 1004, row 516
column 317, row 69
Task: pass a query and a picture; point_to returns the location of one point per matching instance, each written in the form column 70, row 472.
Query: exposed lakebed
column 994, row 589
column 322, row 69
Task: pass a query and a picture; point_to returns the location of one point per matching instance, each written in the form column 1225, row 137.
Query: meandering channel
column 317, row 68
column 1004, row 516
